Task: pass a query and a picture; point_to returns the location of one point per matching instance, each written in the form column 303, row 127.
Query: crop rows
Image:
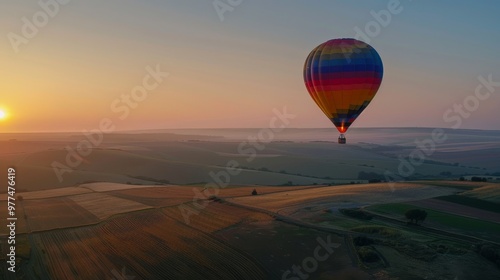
column 148, row 245
column 217, row 216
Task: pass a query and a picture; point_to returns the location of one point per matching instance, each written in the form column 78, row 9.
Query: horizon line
column 235, row 128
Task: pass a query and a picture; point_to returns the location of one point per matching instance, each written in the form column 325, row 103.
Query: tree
column 416, row 215
column 477, row 179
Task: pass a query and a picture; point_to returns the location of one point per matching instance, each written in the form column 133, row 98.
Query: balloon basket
column 342, row 139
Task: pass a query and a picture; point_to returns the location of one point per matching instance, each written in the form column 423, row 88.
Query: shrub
column 368, row 254
column 489, row 253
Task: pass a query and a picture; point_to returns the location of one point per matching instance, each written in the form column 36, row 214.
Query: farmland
column 51, row 193
column 113, row 229
column 218, row 216
column 119, row 213
column 131, row 243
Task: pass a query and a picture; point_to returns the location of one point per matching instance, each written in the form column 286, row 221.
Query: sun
column 3, row 115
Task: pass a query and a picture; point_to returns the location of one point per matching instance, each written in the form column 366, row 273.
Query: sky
column 231, row 68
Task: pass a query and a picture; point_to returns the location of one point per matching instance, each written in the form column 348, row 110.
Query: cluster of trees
column 416, row 215
column 474, row 179
column 478, row 179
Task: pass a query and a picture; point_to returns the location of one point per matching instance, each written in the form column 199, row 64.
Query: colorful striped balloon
column 342, row 76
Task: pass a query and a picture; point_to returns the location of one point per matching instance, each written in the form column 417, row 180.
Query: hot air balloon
column 342, row 77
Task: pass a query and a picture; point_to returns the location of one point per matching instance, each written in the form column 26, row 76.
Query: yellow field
column 490, row 192
column 330, row 196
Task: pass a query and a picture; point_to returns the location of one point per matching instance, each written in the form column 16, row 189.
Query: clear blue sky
column 232, row 73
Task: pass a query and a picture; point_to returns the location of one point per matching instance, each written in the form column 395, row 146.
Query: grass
column 352, row 223
column 344, row 223
column 381, row 230
column 445, row 219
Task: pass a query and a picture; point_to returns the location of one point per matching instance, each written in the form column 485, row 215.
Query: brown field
column 104, row 206
column 458, row 209
column 279, row 246
column 131, row 244
column 53, row 213
column 217, row 216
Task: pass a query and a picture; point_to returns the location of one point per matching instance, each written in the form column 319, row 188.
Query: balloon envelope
column 342, row 76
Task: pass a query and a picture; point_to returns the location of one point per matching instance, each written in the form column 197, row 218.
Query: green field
column 397, row 210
